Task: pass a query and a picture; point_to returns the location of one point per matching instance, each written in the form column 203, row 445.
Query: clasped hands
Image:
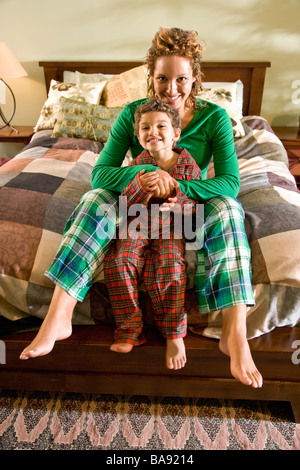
column 159, row 184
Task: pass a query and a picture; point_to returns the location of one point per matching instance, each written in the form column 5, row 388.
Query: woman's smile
column 171, row 99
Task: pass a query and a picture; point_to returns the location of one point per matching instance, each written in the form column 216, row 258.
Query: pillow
column 239, row 95
column 226, row 97
column 90, row 91
column 126, row 87
column 79, row 77
column 80, row 119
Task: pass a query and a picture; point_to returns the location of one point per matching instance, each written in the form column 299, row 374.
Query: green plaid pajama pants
column 223, row 276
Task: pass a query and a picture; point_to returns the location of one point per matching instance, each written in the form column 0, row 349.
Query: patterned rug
column 57, row 421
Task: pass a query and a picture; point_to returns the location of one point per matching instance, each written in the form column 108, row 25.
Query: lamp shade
column 10, row 67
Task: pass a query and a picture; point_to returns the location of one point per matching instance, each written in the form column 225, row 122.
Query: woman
column 223, row 279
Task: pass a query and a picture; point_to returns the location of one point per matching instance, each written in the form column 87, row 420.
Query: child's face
column 156, row 132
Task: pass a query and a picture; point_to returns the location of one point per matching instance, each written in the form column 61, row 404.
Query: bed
column 43, row 184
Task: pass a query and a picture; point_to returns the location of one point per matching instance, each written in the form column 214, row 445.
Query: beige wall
column 122, row 30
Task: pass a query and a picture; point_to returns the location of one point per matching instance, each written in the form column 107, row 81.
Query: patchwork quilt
column 42, row 185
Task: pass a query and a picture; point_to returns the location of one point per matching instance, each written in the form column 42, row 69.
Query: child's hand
column 171, row 201
column 148, row 180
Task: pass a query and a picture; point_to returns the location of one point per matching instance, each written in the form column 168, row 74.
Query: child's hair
column 156, row 105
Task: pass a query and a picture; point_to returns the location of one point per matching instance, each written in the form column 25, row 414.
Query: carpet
column 58, row 421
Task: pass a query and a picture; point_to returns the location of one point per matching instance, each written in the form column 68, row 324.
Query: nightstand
column 23, row 136
column 290, row 137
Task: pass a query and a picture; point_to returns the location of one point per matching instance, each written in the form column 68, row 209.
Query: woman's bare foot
column 56, row 326
column 121, row 347
column 175, row 355
column 234, row 344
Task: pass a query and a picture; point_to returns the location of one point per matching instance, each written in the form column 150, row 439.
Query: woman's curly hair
column 176, row 41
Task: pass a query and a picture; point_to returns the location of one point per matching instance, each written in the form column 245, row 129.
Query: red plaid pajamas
column 159, row 263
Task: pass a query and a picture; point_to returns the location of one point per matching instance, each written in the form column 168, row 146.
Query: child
column 158, row 262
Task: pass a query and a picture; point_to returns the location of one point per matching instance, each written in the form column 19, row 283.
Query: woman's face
column 173, row 80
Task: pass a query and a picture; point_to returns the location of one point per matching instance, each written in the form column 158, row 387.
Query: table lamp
column 9, row 68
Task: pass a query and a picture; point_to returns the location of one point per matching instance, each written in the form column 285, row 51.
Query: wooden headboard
column 252, row 74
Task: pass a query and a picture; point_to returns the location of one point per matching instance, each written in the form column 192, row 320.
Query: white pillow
column 239, row 95
column 226, row 97
column 69, row 77
column 78, row 77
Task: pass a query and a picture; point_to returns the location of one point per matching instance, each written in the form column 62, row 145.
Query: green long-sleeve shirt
column 208, row 135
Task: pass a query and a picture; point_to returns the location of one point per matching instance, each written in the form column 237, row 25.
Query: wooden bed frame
column 84, row 363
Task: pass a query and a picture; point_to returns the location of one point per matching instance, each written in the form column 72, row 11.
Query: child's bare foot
column 234, row 344
column 121, row 347
column 175, row 356
column 56, row 326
